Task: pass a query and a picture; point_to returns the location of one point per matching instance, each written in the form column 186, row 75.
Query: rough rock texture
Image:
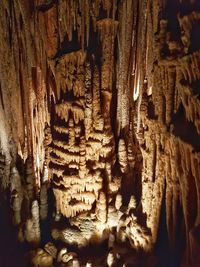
column 100, row 127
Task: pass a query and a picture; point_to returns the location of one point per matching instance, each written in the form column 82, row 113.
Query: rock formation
column 100, row 131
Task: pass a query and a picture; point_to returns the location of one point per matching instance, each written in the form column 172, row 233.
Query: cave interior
column 100, row 133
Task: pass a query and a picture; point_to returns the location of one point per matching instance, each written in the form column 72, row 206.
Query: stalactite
column 97, row 118
column 122, row 155
column 51, row 41
column 107, row 31
column 186, row 23
column 125, row 45
column 169, row 95
column 88, row 100
column 82, row 169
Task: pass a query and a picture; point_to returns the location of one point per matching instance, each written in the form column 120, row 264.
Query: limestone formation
column 100, row 130
column 43, row 201
column 51, row 249
column 42, row 259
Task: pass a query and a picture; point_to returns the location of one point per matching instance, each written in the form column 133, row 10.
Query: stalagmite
column 15, row 179
column 132, row 203
column 16, row 195
column 41, row 259
column 36, row 221
column 97, row 117
column 30, row 178
column 43, row 202
column 110, row 259
column 101, row 208
column 51, row 249
column 16, row 207
column 118, row 202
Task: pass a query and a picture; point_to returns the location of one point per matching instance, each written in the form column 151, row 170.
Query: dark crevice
column 185, row 129
column 67, row 46
column 46, row 6
column 151, row 111
column 196, row 88
column 195, row 40
column 12, row 252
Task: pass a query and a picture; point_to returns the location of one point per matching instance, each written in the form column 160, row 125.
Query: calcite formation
column 100, row 130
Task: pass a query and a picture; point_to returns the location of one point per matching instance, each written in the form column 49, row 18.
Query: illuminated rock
column 99, row 127
column 42, row 259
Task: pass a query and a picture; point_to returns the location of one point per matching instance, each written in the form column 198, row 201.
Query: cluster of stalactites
column 167, row 157
column 144, row 53
column 25, row 95
column 77, row 15
column 69, row 16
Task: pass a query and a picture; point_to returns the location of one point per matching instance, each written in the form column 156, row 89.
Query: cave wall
column 99, row 100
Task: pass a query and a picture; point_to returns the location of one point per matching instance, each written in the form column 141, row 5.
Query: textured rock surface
column 100, row 128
